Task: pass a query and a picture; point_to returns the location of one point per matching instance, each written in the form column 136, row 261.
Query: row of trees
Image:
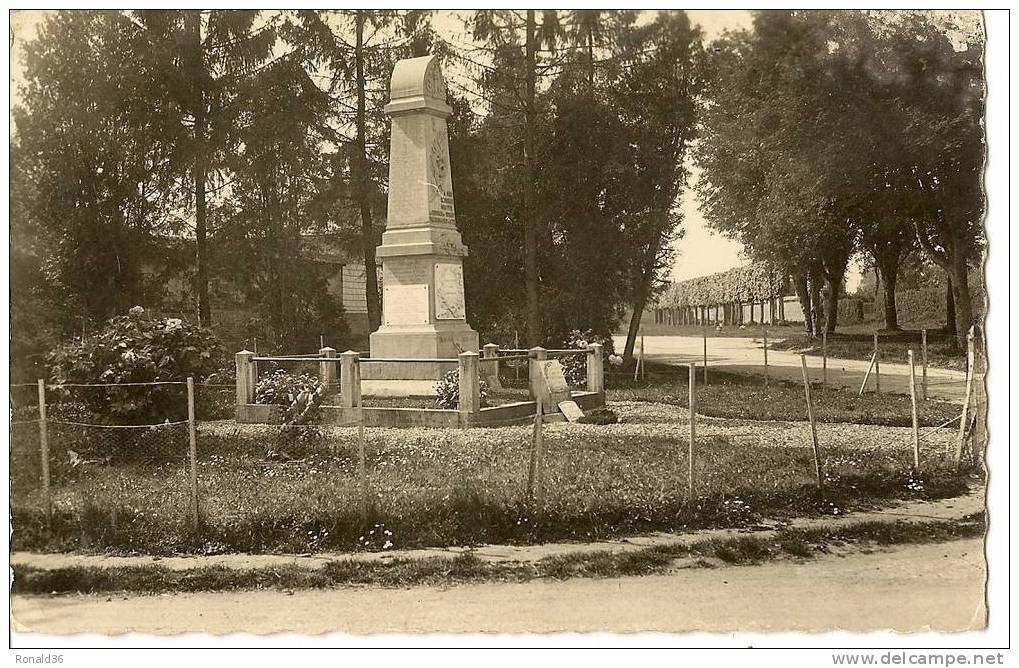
column 245, row 130
column 821, row 134
column 829, row 133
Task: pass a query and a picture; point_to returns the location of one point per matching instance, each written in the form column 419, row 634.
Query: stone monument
column 423, row 313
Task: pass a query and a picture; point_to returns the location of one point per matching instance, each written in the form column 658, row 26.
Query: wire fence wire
column 120, row 475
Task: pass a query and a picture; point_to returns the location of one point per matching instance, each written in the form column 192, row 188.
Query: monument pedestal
column 423, row 313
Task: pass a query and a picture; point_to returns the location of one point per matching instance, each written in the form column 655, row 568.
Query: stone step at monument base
column 408, row 371
column 398, row 388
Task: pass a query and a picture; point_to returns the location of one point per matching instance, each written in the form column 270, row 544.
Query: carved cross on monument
column 423, row 312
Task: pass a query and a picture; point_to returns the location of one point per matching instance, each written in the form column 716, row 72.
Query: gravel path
column 653, row 420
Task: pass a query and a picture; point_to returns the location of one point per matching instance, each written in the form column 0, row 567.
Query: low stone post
column 470, row 387
column 491, row 369
column 327, row 370
column 350, row 379
column 595, row 369
column 537, row 354
column 245, row 377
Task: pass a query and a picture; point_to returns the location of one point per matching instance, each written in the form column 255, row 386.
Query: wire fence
column 156, row 466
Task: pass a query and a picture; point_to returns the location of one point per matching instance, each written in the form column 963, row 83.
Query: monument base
column 437, row 341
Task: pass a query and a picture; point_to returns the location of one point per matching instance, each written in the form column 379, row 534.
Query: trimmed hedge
column 751, row 283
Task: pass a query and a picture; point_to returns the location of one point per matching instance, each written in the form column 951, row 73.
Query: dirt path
column 746, row 355
column 939, row 587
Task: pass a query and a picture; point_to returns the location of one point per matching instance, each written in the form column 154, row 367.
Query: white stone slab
column 405, row 304
column 571, row 410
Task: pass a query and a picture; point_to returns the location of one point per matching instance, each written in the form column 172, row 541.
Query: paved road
column 746, row 355
column 939, row 586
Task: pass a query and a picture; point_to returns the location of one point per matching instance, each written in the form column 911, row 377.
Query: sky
column 699, row 252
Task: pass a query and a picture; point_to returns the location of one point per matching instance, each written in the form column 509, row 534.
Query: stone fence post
column 327, row 370
column 595, row 369
column 538, row 354
column 470, row 386
column 245, row 377
column 350, row 379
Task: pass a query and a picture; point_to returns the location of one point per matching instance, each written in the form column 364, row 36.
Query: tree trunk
column 891, row 316
column 831, row 315
column 534, row 337
column 963, row 304
column 886, row 264
column 950, row 327
column 200, row 167
column 800, row 284
column 816, row 310
column 631, row 331
column 368, row 241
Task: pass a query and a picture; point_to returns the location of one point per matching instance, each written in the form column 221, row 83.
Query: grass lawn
column 853, row 342
column 737, row 396
column 941, row 353
column 440, row 487
column 785, row 544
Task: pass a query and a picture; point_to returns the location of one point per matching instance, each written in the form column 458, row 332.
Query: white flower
column 173, row 323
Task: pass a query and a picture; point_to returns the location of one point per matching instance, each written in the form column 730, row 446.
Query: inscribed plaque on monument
column 449, row 291
column 405, row 304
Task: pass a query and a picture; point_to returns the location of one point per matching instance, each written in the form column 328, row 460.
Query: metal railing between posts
column 342, row 371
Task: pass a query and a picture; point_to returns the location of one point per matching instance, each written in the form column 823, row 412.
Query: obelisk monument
column 423, row 313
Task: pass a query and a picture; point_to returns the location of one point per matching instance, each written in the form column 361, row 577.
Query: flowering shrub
column 134, row 348
column 280, row 388
column 575, row 366
column 447, row 390
column 300, row 395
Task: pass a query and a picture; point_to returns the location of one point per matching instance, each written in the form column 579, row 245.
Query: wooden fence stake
column 705, row 333
column 916, row 422
column 963, row 422
column 693, row 430
column 766, row 357
column 516, row 346
column 877, row 368
column 44, row 453
column 813, row 425
column 362, row 455
column 824, row 358
column 643, row 370
column 193, row 452
column 863, row 385
column 535, row 489
column 923, row 355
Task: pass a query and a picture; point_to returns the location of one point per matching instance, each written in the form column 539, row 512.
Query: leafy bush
column 133, row 348
column 575, row 366
column 447, row 390
column 280, row 388
column 299, row 394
